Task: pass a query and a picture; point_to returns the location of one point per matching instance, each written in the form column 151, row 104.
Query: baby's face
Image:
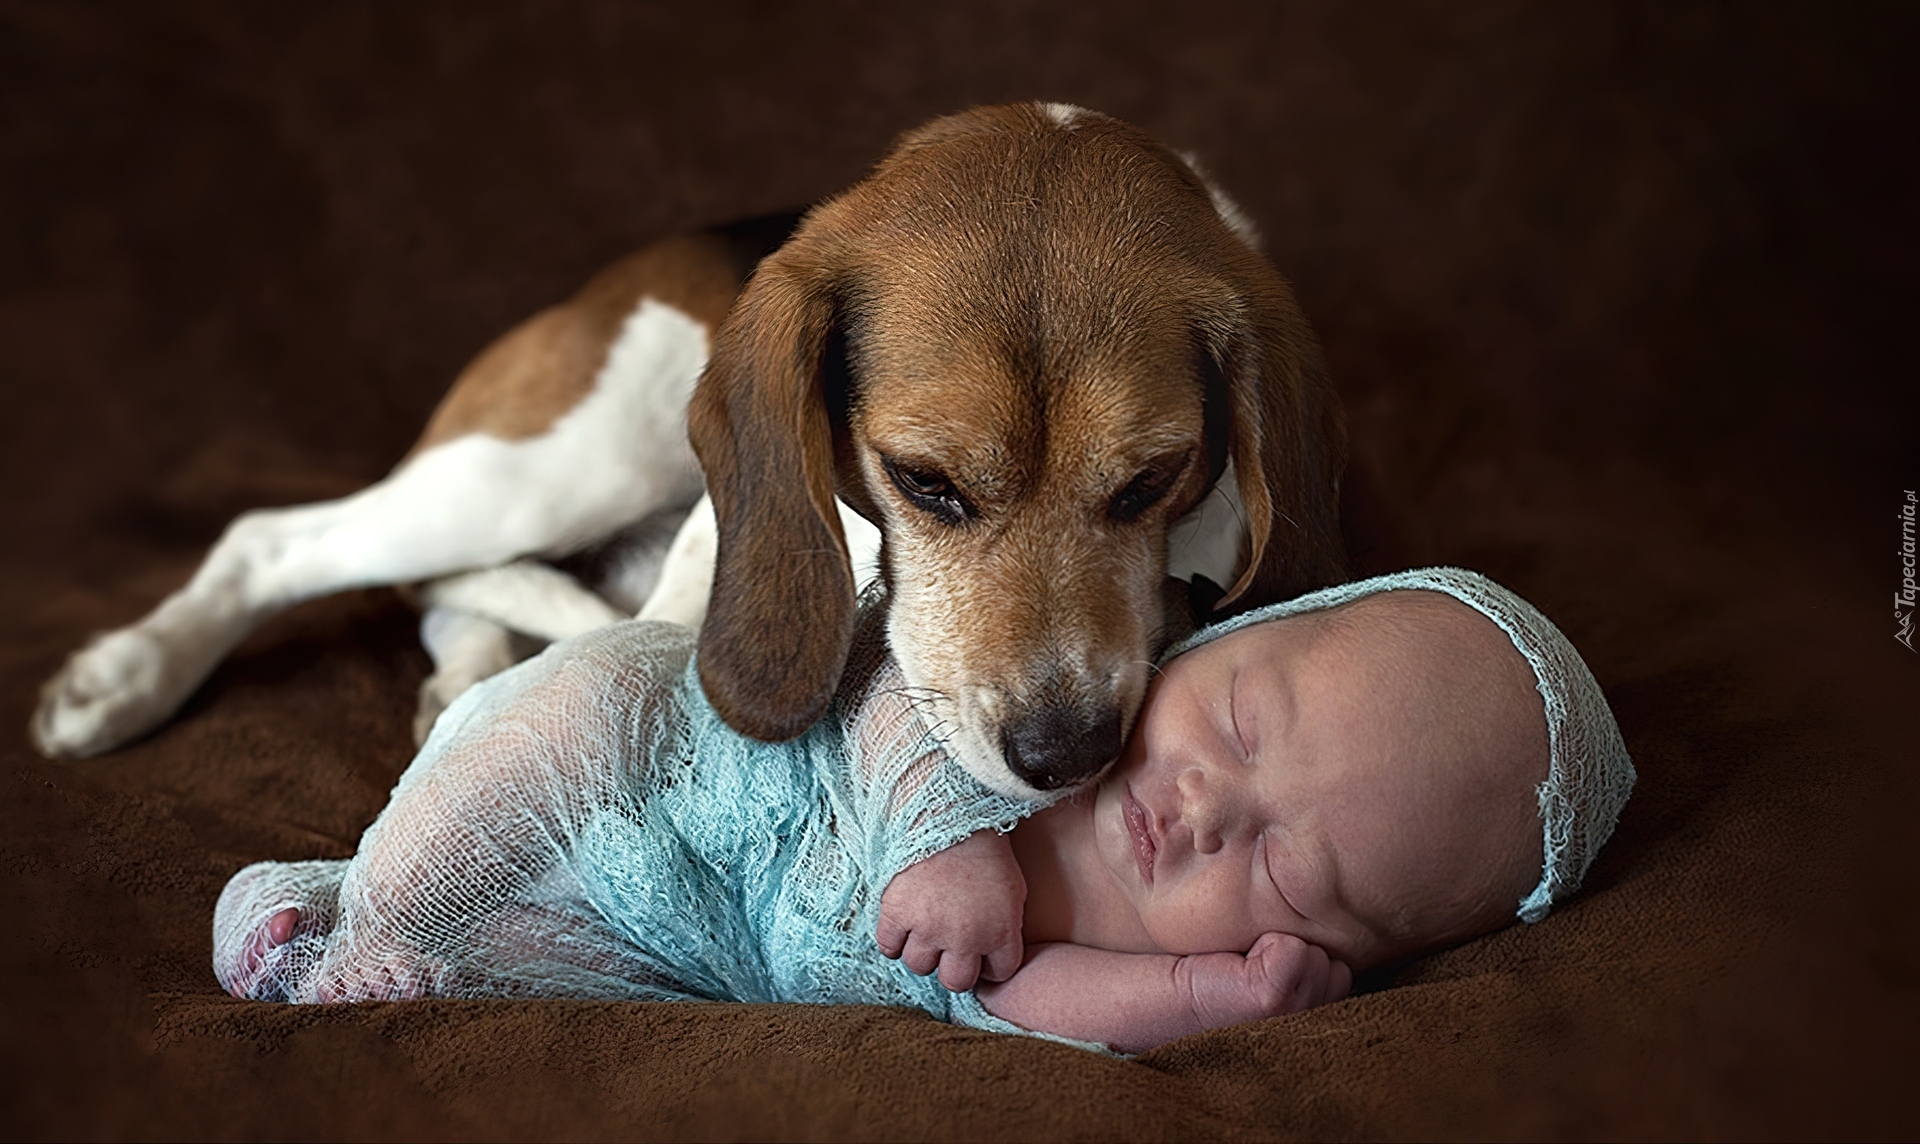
column 1361, row 778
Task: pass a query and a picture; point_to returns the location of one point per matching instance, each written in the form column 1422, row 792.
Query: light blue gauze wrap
column 1589, row 775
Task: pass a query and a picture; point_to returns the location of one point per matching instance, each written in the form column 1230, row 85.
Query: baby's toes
column 246, row 975
column 279, row 927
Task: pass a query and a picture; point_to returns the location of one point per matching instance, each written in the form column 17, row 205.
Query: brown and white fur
column 1033, row 347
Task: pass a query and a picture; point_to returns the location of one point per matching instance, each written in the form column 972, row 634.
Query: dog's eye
column 929, row 491
column 1141, row 493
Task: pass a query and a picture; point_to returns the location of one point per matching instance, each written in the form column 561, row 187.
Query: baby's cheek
column 1203, row 919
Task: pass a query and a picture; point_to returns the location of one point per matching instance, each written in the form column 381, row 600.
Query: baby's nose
column 1205, row 806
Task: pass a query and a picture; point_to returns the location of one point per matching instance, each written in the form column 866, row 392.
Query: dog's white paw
column 113, row 690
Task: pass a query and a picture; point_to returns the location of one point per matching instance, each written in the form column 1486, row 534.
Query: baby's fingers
column 1004, row 962
column 891, row 934
column 920, row 955
column 1323, row 981
column 1315, row 975
column 1339, row 984
column 1297, row 975
column 959, row 972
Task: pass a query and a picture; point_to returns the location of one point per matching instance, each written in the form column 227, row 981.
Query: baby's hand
column 955, row 908
column 1281, row 974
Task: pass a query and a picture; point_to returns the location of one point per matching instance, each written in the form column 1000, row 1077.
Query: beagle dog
column 1028, row 369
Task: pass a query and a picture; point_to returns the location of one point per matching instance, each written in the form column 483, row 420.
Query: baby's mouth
column 1140, row 829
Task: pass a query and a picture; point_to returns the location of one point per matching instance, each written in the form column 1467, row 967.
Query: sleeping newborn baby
column 1341, row 781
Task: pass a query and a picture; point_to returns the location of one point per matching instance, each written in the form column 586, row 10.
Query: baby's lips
column 1140, row 832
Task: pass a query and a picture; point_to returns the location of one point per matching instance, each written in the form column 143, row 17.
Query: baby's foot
column 272, row 925
column 255, row 973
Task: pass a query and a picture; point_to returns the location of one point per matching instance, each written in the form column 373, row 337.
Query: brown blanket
column 1621, row 302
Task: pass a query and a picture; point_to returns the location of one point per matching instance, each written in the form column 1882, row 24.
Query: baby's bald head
column 1450, row 713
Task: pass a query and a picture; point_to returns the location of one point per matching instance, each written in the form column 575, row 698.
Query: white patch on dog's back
column 618, row 455
column 631, row 431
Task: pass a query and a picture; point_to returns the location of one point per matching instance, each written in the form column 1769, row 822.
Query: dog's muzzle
column 1056, row 745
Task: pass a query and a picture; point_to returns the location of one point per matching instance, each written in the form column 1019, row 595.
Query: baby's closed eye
column 1279, row 873
column 1234, row 720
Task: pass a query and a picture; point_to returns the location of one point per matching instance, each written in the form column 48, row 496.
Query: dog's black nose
column 1061, row 744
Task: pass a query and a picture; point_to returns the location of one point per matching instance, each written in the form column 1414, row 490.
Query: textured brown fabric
column 1620, row 301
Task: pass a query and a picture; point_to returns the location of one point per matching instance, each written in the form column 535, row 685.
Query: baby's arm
column 958, row 910
column 955, row 909
column 1135, row 1001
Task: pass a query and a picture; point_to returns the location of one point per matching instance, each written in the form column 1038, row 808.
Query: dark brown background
column 1620, row 298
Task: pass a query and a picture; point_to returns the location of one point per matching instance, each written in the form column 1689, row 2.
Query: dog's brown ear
column 1288, row 440
column 781, row 616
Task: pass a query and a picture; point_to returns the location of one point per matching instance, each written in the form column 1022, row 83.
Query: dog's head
column 1024, row 346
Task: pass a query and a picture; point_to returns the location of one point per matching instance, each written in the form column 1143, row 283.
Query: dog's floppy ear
column 1288, row 440
column 781, row 617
